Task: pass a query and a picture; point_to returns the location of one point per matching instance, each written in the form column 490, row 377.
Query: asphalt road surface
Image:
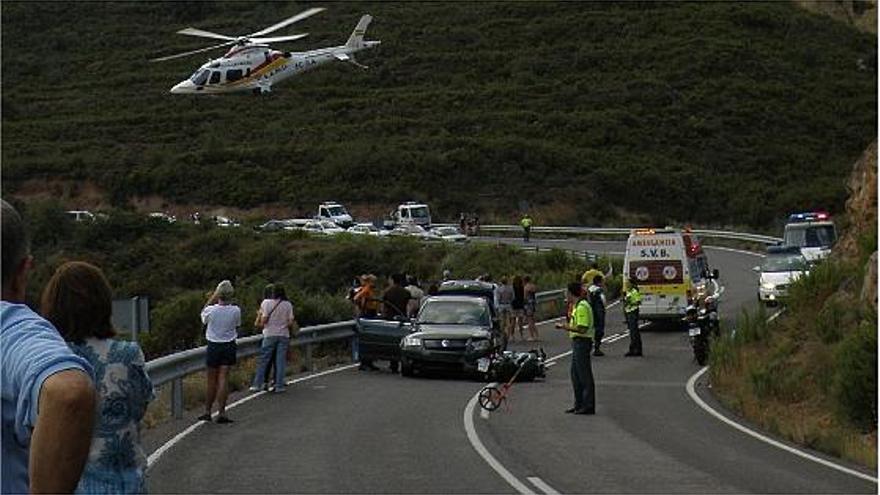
column 374, row 432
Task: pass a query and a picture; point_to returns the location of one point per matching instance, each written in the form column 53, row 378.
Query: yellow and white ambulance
column 671, row 271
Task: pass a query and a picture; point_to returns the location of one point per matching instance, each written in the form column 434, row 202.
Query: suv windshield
column 337, row 211
column 421, row 212
column 455, row 313
column 784, row 263
column 810, row 235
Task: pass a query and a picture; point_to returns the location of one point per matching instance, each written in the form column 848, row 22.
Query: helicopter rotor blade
column 193, row 52
column 279, row 38
column 204, row 34
column 298, row 17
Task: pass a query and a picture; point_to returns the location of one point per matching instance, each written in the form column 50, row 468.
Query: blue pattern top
column 117, row 463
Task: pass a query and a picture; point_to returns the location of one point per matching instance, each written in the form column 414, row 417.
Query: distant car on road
column 80, row 215
column 451, row 332
column 274, row 226
column 163, row 217
column 781, row 267
column 226, row 222
column 413, row 230
column 449, row 234
column 323, row 227
column 812, row 232
column 365, row 229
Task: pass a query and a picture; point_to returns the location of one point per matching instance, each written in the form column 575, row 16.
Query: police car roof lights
column 810, row 216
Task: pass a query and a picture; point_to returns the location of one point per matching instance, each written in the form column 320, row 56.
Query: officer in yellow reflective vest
column 526, row 224
column 632, row 299
column 580, row 330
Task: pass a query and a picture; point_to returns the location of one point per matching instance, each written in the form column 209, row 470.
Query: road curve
column 376, row 432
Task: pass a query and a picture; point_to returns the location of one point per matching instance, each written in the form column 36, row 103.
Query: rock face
column 869, row 287
column 860, row 14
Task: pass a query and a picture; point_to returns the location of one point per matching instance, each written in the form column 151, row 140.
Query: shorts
column 220, row 354
column 518, row 313
column 530, row 309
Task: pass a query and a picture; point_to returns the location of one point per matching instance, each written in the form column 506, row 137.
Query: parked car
column 451, row 332
column 780, row 268
column 324, row 227
column 274, row 226
column 449, row 234
column 412, row 230
column 162, row 217
column 365, row 229
column 813, row 232
column 80, row 215
column 226, row 222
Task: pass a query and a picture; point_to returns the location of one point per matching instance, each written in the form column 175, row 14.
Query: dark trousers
column 527, row 231
column 582, row 375
column 635, row 338
column 599, row 325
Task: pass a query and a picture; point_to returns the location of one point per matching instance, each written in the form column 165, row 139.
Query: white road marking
column 732, row 250
column 183, row 434
column 696, row 398
column 540, row 485
column 478, row 446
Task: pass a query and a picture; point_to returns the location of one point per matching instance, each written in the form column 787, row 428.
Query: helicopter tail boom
column 356, row 40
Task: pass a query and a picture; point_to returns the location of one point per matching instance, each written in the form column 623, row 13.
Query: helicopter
column 251, row 65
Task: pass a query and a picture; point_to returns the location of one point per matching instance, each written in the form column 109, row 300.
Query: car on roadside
column 80, row 215
column 782, row 266
column 323, row 227
column 162, row 217
column 274, row 226
column 813, row 232
column 449, row 234
column 450, row 333
column 365, row 229
column 413, row 230
column 226, row 222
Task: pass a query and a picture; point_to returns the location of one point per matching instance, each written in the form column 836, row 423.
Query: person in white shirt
column 221, row 319
column 416, row 294
column 276, row 319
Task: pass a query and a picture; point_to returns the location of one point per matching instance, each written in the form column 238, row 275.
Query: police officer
column 632, row 299
column 526, row 224
column 580, row 330
column 597, row 304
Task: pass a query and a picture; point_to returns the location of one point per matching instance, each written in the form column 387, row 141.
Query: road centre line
column 183, row 434
column 540, row 485
column 748, row 431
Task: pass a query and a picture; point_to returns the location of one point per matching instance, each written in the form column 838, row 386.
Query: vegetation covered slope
column 589, row 112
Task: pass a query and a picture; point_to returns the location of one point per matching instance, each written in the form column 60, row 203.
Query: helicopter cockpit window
column 215, row 77
column 200, row 77
column 233, row 75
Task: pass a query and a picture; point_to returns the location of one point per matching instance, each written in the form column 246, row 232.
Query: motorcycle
column 701, row 325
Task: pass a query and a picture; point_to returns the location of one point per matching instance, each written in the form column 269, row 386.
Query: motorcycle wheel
column 701, row 353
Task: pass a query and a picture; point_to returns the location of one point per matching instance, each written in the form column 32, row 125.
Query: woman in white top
column 276, row 319
column 222, row 320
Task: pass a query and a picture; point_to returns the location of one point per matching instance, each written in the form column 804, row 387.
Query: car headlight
column 410, row 341
column 481, row 345
column 768, row 286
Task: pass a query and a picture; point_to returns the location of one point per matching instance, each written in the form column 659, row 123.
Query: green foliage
column 855, row 385
column 618, row 107
column 175, row 325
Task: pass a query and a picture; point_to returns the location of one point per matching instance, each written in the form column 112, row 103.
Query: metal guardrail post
column 177, row 398
column 308, row 358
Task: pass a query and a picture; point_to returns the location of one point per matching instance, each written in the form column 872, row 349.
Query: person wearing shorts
column 221, row 319
column 531, row 307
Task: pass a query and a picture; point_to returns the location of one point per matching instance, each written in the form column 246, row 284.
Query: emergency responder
column 597, row 304
column 632, row 299
column 580, row 330
column 589, row 275
column 526, row 224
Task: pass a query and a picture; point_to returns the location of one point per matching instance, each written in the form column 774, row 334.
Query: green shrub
column 174, row 325
column 855, row 386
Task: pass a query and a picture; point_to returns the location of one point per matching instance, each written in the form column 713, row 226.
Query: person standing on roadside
column 222, row 319
column 518, row 306
column 78, row 301
column 365, row 297
column 580, row 330
column 596, row 295
column 503, row 299
column 415, row 296
column 632, row 299
column 48, row 392
column 531, row 307
column 526, row 224
column 268, row 293
column 395, row 299
column 277, row 319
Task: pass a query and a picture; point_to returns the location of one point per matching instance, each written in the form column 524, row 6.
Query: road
column 369, row 432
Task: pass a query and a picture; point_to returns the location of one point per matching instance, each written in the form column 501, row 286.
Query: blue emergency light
column 810, row 216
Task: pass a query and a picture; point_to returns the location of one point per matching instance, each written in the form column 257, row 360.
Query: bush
column 174, row 325
column 856, row 376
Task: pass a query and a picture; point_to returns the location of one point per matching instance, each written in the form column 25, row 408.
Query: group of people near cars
column 516, row 303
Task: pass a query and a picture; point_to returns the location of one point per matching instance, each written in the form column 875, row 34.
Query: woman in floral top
column 78, row 301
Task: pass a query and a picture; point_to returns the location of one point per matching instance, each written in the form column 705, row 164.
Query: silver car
column 781, row 267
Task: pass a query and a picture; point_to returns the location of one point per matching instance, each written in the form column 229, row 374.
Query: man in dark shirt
column 395, row 298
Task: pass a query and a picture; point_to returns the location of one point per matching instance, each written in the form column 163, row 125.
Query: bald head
column 15, row 251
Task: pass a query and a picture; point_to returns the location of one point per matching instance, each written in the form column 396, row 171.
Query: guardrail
column 174, row 367
column 721, row 234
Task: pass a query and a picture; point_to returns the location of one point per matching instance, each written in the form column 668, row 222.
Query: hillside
column 587, row 112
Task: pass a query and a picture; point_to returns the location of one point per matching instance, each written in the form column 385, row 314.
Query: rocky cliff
column 861, row 213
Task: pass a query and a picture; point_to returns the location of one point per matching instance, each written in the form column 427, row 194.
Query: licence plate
column 483, row 365
column 694, row 331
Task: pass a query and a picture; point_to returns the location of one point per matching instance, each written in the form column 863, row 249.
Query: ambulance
column 671, row 270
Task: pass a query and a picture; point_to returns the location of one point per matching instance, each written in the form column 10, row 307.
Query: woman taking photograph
column 221, row 319
column 78, row 301
column 276, row 320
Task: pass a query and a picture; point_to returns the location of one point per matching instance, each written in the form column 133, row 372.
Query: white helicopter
column 251, row 65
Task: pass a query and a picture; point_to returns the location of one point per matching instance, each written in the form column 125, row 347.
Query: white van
column 671, row 269
column 812, row 232
column 80, row 215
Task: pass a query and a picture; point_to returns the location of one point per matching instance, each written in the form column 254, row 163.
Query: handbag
column 294, row 328
column 258, row 323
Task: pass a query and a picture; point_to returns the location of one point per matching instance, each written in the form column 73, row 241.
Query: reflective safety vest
column 526, row 222
column 632, row 300
column 581, row 317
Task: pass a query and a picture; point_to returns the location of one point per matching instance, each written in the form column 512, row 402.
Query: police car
column 781, row 267
column 812, row 232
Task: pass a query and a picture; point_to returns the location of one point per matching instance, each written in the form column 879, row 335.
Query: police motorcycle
column 701, row 324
